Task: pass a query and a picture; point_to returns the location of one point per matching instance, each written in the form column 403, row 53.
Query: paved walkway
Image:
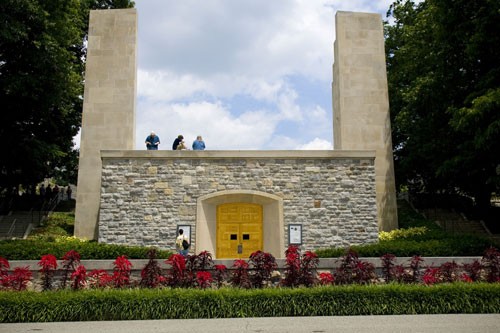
column 480, row 323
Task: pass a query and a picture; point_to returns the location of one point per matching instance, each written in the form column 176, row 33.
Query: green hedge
column 140, row 304
column 35, row 249
column 445, row 247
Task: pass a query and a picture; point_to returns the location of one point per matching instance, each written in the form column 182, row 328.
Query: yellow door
column 239, row 230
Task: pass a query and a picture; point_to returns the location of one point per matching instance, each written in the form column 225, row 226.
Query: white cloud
column 166, row 86
column 213, row 121
column 316, row 144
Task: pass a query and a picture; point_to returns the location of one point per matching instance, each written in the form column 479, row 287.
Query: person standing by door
column 182, row 243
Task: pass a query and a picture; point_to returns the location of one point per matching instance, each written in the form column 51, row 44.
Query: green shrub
column 57, row 224
column 402, row 233
column 141, row 304
column 446, row 247
column 35, row 249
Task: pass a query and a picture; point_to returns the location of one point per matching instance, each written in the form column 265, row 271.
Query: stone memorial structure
column 108, row 120
column 233, row 203
column 361, row 103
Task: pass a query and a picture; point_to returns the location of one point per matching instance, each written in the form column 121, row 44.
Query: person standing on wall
column 182, row 243
column 198, row 144
column 177, row 141
column 152, row 141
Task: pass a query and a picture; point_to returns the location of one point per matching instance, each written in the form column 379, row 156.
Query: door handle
column 240, row 248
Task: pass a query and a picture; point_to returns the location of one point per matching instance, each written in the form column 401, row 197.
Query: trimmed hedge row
column 34, row 249
column 141, row 304
column 445, row 247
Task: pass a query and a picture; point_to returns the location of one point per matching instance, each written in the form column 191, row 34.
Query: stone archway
column 273, row 225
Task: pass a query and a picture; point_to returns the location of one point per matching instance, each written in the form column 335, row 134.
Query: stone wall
column 146, row 194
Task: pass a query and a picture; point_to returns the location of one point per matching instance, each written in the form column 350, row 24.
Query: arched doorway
column 239, row 230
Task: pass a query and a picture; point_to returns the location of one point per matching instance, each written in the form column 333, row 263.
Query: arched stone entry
column 272, row 219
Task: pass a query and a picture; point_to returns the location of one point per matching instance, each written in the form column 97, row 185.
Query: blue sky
column 244, row 74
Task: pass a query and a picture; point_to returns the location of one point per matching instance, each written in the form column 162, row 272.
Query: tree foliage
column 444, row 87
column 42, row 48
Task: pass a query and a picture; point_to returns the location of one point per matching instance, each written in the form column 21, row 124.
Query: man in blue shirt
column 198, row 144
column 152, row 141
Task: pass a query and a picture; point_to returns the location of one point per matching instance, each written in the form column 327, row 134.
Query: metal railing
column 11, row 229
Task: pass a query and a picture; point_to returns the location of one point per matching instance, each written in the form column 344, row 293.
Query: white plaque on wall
column 295, row 234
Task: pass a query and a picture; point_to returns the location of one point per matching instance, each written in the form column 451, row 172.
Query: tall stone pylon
column 361, row 119
column 108, row 120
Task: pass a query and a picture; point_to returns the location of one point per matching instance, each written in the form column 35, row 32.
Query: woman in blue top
column 198, row 144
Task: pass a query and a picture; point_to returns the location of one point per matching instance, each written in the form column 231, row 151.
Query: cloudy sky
column 244, row 74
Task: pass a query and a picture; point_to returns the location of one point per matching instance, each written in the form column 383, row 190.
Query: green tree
column 42, row 48
column 444, row 81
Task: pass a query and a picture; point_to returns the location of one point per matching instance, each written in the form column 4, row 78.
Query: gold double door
column 239, row 230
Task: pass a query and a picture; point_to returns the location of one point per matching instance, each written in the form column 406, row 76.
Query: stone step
column 452, row 221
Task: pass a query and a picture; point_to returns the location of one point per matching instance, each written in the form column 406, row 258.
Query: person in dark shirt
column 177, row 141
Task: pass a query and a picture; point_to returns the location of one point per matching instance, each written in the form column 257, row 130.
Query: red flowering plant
column 464, row 277
column 48, row 264
column 177, row 274
column 19, row 279
column 4, row 268
column 79, row 278
column 200, row 262
column 388, row 264
column 491, row 264
column 415, row 266
column 99, row 278
column 431, row 276
column 308, row 266
column 240, row 276
column 449, row 271
column 399, row 274
column 393, row 272
column 299, row 270
column 353, row 270
column 71, row 260
column 292, row 267
column 151, row 275
column 121, row 272
column 203, row 279
column 263, row 265
column 326, row 278
column 473, row 270
column 197, row 263
column 220, row 274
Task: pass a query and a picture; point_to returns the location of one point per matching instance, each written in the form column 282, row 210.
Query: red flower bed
column 198, row 271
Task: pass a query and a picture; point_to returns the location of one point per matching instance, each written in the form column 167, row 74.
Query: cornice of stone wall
column 228, row 154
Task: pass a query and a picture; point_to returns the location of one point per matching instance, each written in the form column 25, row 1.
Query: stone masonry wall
column 144, row 199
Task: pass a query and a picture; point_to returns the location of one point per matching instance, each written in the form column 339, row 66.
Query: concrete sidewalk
column 461, row 323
